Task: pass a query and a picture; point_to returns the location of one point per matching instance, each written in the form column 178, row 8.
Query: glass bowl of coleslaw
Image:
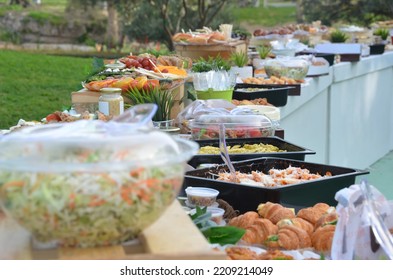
column 90, row 183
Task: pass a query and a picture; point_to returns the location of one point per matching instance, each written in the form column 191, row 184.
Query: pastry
column 297, row 222
column 289, row 238
column 312, row 214
column 322, row 238
column 240, row 253
column 327, row 219
column 245, row 220
column 275, row 212
column 274, row 255
column 258, row 232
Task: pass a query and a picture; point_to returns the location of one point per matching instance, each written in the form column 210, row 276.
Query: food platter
column 292, row 151
column 296, row 196
column 276, row 95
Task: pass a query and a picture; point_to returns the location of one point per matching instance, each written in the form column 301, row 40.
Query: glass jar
column 111, row 102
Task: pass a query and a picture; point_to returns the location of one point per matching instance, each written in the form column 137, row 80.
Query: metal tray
column 276, row 95
column 293, row 151
column 247, row 198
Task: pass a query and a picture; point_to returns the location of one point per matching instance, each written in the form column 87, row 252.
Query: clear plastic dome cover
column 90, row 146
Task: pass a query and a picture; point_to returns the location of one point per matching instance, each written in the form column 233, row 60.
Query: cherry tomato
column 255, row 133
column 145, row 62
column 52, row 118
column 239, row 132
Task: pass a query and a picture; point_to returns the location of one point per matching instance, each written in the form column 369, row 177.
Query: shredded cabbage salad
column 86, row 209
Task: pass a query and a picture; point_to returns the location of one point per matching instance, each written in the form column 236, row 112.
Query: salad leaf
column 224, row 235
column 213, row 233
column 211, row 64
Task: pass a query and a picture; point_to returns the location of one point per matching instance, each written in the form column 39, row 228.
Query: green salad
column 86, row 209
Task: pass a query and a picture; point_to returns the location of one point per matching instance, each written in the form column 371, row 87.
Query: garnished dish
column 250, row 89
column 272, row 80
column 144, row 71
column 236, row 126
column 256, row 101
column 275, row 178
column 245, row 253
column 274, row 227
column 290, row 69
column 242, row 149
column 86, row 210
column 89, row 183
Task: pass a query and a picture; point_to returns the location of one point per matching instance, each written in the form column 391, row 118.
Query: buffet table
column 182, row 240
column 345, row 116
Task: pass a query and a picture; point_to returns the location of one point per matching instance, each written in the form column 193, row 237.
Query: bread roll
column 245, row 220
column 289, row 238
column 322, row 238
column 312, row 214
column 297, row 222
column 258, row 232
column 275, row 212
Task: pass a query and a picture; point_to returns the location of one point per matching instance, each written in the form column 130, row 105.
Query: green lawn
column 34, row 85
column 265, row 17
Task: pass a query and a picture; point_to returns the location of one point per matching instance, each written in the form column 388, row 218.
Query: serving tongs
column 225, row 155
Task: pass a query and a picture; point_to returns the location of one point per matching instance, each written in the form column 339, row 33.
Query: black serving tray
column 377, row 49
column 293, row 151
column 276, row 95
column 247, row 198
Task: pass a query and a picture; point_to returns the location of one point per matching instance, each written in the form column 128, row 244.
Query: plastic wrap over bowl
column 90, row 183
column 293, row 68
column 236, row 126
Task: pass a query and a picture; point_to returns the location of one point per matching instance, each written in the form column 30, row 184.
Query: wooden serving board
column 172, row 236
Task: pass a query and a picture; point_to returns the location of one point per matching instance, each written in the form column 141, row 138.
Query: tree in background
column 154, row 20
column 117, row 13
column 24, row 3
column 159, row 20
column 361, row 12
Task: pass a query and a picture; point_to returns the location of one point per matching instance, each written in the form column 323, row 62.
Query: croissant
column 297, row 222
column 322, row 238
column 274, row 212
column 245, row 220
column 312, row 214
column 327, row 219
column 240, row 253
column 258, row 232
column 274, row 255
column 289, row 238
